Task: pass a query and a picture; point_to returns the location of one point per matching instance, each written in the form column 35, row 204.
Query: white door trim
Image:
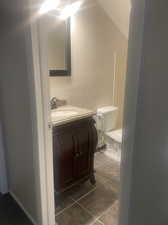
column 3, row 172
column 42, row 134
column 43, row 62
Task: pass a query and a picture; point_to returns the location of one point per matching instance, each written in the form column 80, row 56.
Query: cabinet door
column 64, row 161
column 84, row 154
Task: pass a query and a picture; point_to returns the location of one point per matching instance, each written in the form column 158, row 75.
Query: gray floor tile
column 109, row 172
column 101, row 160
column 99, row 200
column 101, row 179
column 115, row 184
column 80, row 190
column 75, row 215
column 97, row 223
column 95, row 200
column 62, row 202
column 111, row 216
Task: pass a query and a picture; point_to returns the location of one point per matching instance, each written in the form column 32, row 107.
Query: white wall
column 15, row 104
column 149, row 175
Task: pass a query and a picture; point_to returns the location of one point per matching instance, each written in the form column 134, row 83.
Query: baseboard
column 22, row 207
column 2, row 192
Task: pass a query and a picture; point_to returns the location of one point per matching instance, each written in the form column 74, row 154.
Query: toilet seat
column 116, row 135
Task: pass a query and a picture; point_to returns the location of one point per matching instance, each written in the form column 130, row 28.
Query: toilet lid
column 106, row 109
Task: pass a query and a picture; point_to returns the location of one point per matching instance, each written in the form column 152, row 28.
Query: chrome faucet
column 55, row 103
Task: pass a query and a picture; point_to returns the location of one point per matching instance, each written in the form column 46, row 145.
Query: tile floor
column 83, row 205
column 93, row 205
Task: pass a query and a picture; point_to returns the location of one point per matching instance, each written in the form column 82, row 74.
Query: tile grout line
column 85, row 209
column 75, row 201
column 60, row 212
column 83, row 195
column 99, row 222
column 96, row 219
column 105, row 212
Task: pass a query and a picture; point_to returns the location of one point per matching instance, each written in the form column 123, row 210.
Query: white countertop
column 65, row 114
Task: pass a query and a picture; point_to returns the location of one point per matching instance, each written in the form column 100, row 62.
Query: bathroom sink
column 69, row 113
column 63, row 113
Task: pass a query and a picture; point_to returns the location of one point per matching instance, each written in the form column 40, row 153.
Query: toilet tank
column 107, row 118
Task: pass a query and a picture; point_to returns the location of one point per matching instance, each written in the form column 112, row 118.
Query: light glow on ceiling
column 49, row 5
column 70, row 10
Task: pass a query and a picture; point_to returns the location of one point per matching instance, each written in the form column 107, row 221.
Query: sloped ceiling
column 119, row 12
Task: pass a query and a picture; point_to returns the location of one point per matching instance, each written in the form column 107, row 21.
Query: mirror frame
column 67, row 71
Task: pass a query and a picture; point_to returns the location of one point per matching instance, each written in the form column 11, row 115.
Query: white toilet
column 107, row 135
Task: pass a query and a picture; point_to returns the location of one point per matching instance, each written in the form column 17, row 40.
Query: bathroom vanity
column 74, row 144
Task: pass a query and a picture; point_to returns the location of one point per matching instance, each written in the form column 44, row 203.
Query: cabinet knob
column 77, row 154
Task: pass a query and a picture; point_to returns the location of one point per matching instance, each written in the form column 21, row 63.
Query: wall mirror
column 59, row 47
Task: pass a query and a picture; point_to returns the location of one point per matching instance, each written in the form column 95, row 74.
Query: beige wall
column 119, row 12
column 95, row 41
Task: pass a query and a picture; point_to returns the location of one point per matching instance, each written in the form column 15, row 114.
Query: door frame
column 41, row 109
column 41, row 120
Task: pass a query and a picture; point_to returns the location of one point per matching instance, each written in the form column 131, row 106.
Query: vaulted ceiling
column 119, row 12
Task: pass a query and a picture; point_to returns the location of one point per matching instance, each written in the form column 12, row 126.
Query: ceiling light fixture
column 70, row 10
column 49, row 5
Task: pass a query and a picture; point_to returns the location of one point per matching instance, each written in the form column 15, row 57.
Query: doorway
column 43, row 42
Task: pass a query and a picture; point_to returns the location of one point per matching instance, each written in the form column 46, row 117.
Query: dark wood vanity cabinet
column 74, row 145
